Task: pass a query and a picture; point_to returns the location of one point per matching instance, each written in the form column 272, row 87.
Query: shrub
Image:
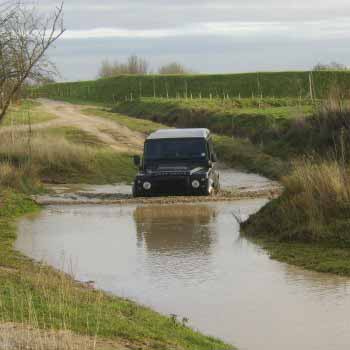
column 23, row 178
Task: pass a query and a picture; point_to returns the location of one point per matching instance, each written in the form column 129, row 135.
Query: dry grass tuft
column 22, row 177
column 45, row 150
column 317, row 189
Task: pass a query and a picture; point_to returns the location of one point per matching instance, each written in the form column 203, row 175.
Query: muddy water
column 232, row 181
column 189, row 260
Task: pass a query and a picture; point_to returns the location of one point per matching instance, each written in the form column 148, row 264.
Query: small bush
column 23, row 178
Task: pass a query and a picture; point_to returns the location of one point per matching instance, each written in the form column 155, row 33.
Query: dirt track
column 118, row 137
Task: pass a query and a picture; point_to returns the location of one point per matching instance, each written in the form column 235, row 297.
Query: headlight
column 195, row 184
column 147, row 185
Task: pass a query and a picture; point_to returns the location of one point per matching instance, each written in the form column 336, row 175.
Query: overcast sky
column 207, row 36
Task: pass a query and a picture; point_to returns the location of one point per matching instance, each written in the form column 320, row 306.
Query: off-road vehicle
column 177, row 162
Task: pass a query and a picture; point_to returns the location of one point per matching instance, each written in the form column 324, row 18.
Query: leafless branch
column 25, row 38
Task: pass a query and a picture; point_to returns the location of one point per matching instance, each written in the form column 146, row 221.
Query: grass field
column 36, row 295
column 266, row 84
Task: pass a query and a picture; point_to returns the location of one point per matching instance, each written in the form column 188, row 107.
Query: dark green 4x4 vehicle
column 177, row 162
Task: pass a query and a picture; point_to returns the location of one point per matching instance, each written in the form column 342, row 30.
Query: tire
column 135, row 193
column 217, row 187
column 209, row 190
column 218, row 184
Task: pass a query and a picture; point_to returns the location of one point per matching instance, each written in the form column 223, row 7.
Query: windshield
column 175, row 149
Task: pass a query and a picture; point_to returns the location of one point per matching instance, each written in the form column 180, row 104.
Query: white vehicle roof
column 179, row 134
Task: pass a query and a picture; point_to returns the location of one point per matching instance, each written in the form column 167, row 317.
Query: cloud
column 311, row 29
column 153, row 14
column 201, row 29
column 80, row 59
column 209, row 36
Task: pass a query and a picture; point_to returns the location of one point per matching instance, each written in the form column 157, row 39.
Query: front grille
column 168, row 185
column 166, row 173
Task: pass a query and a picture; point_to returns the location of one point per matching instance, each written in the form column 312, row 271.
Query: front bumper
column 170, row 185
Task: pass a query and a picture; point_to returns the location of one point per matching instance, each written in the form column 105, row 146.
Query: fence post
column 311, row 87
column 166, row 89
column 140, row 88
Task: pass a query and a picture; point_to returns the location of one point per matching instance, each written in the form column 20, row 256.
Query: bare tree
column 134, row 65
column 174, row 68
column 137, row 65
column 25, row 37
column 106, row 69
column 330, row 66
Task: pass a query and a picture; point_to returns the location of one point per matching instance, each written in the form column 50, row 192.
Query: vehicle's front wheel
column 217, row 186
column 209, row 189
column 135, row 192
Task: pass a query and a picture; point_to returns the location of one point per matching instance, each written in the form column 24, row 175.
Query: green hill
column 267, row 84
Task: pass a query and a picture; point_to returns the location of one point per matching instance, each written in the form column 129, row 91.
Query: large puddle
column 232, row 181
column 189, row 260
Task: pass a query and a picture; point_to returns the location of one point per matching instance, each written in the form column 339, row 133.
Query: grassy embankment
column 36, row 295
column 51, row 302
column 309, row 225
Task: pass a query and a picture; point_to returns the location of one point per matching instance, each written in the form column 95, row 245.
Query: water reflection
column 175, row 229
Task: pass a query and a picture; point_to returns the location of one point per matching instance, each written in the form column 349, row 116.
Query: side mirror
column 137, row 161
column 214, row 158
